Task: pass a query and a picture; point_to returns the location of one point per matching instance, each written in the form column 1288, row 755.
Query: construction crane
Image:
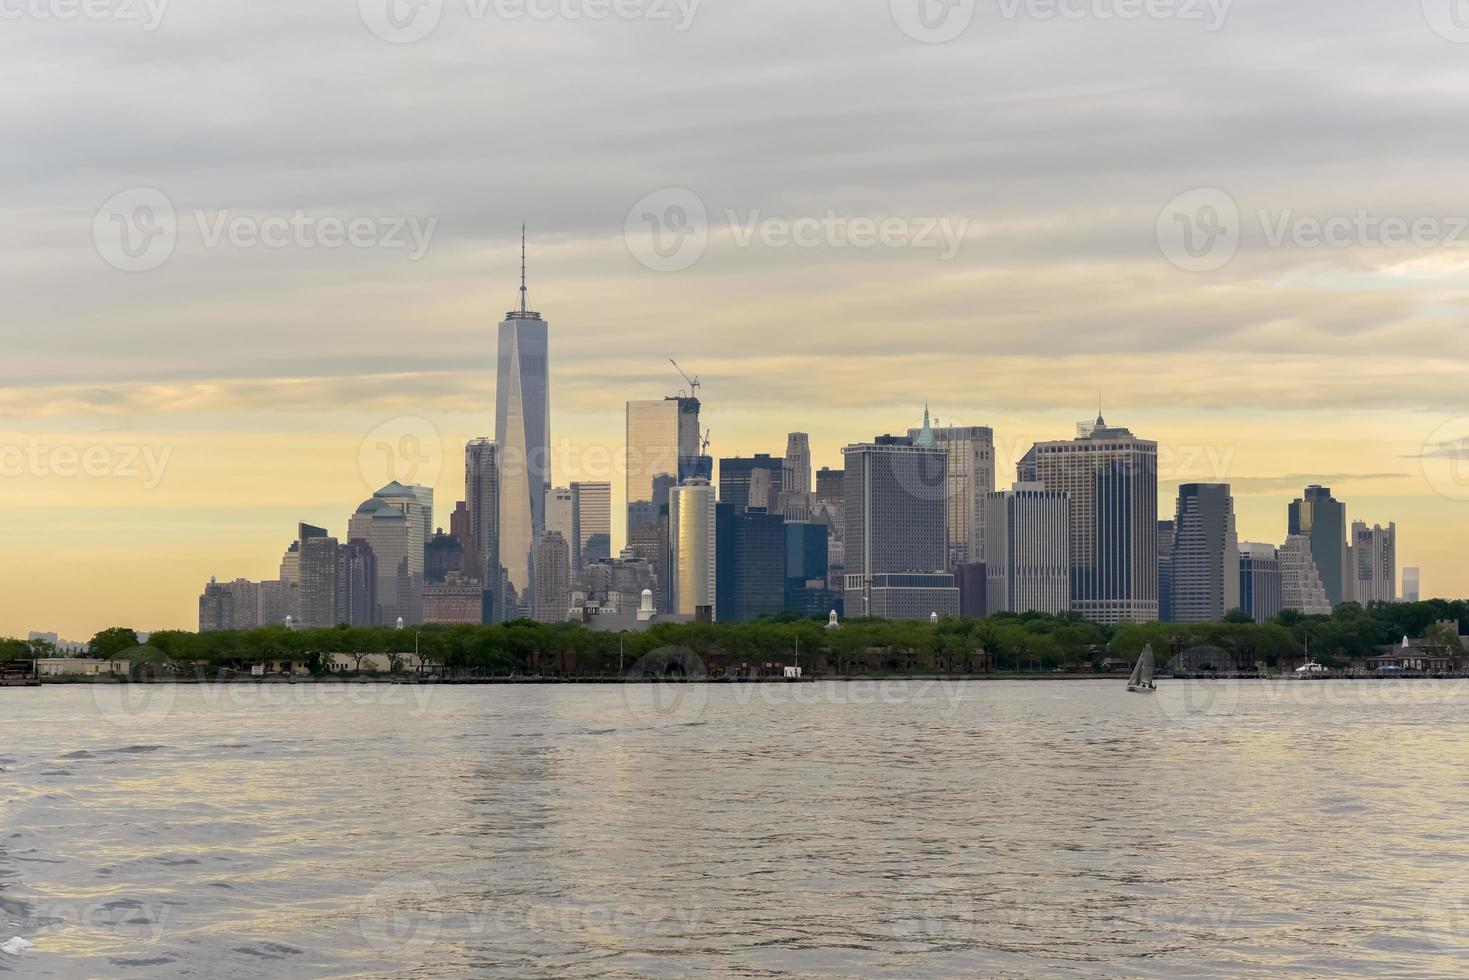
column 704, row 448
column 693, row 382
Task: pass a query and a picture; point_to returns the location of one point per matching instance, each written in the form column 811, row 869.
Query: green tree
column 112, row 641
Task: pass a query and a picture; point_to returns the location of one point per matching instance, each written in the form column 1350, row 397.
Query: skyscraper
column 751, row 482
column 591, row 520
column 356, row 584
column 1375, row 562
column 1259, row 580
column 971, row 450
column 386, row 531
column 320, row 565
column 561, row 519
column 1166, row 533
column 553, row 584
column 523, row 438
column 1412, row 584
column 896, row 496
column 759, row 541
column 1028, row 549
column 662, row 440
column 1111, row 477
column 1301, row 588
column 417, row 505
column 1323, row 520
column 797, row 469
column 691, row 548
column 482, row 500
column 1205, row 554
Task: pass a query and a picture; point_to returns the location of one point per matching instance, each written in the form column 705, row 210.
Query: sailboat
column 1141, row 681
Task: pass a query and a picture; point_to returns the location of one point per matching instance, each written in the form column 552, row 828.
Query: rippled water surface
column 1002, row 829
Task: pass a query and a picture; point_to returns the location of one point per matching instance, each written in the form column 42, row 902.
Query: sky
column 245, row 247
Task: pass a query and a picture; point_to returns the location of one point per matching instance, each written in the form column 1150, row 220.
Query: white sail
column 1146, row 664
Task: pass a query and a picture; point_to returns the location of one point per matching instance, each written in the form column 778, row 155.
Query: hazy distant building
column 356, row 584
column 1412, row 584
column 691, row 548
column 1259, row 581
column 591, row 519
column 216, row 608
column 1322, row 519
column 1375, row 562
column 830, row 484
column 971, row 475
column 417, row 505
column 443, row 555
column 807, row 572
column 1205, row 554
column 1301, row 587
column 457, row 600
column 1111, row 478
column 320, row 565
column 1166, row 533
column 971, row 579
column 1028, row 549
column 758, row 566
column 797, row 466
column 482, row 501
column 615, row 584
column 523, row 436
column 751, row 482
column 895, row 497
column 553, row 582
column 385, row 529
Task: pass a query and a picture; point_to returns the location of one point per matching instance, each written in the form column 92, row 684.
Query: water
column 1003, row 829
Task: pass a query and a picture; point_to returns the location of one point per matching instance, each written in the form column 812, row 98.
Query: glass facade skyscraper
column 1322, row 519
column 523, row 435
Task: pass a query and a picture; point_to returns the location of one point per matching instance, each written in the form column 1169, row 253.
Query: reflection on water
column 896, row 830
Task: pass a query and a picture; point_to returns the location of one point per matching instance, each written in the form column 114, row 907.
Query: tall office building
column 896, row 497
column 1028, row 549
column 1205, row 554
column 1374, row 562
column 751, row 482
column 356, row 584
column 386, row 530
column 691, row 548
column 971, row 450
column 1259, row 581
column 1111, row 477
column 1301, row 587
column 1166, row 531
column 1412, row 584
column 808, row 586
column 830, row 484
column 591, row 524
column 758, row 566
column 796, row 470
column 320, row 565
column 482, row 500
column 417, row 505
column 523, row 438
column 662, row 441
column 443, row 556
column 553, row 583
column 559, row 511
column 216, row 607
column 1323, row 520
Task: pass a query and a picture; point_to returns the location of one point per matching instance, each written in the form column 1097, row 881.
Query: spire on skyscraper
column 524, row 313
